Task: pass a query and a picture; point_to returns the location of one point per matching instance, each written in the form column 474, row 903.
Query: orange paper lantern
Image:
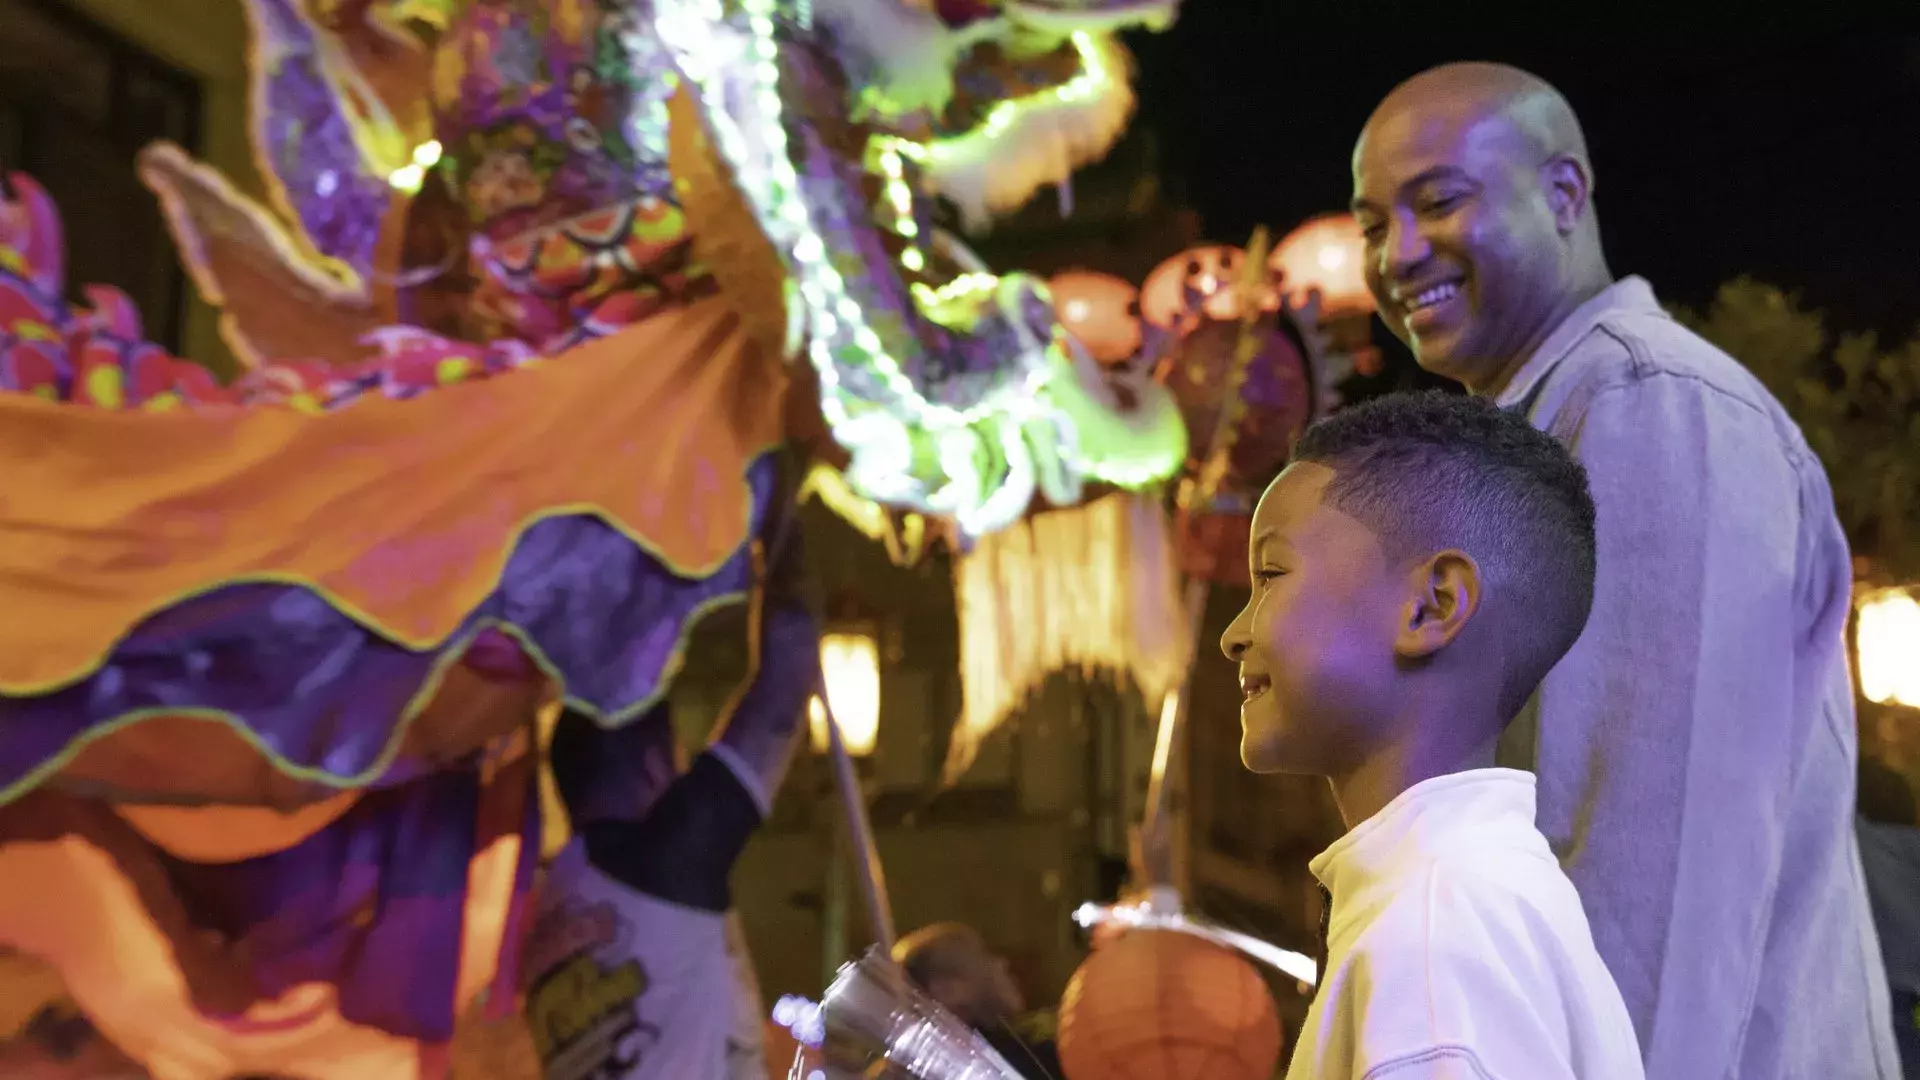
column 1327, row 253
column 1159, row 1005
column 1211, row 271
column 781, row 1047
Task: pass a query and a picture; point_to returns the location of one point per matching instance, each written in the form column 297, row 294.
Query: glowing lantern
column 1212, row 272
column 1326, row 253
column 1100, row 310
column 1889, row 642
column 1160, row 1005
column 850, row 663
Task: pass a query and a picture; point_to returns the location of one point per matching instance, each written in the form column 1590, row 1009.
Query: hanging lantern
column 1101, row 311
column 850, row 666
column 1162, row 1005
column 1198, row 283
column 1275, row 394
column 1327, row 253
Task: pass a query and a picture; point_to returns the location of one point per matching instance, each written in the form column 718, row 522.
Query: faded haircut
column 1427, row 472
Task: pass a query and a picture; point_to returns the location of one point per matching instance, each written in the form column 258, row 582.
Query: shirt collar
column 1629, row 294
column 1477, row 809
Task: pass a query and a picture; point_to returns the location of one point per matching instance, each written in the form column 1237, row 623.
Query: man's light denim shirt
column 1696, row 749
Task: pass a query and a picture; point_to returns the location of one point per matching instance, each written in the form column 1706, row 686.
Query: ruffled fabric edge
column 326, row 700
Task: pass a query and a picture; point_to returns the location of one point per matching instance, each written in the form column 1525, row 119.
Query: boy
column 1417, row 569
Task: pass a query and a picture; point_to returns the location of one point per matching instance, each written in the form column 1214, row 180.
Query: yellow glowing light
column 817, row 724
column 413, row 174
column 407, row 178
column 1889, row 642
column 850, row 664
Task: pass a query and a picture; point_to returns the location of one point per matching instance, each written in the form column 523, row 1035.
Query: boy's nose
column 1233, row 644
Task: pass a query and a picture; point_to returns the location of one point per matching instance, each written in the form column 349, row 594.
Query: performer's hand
column 764, row 724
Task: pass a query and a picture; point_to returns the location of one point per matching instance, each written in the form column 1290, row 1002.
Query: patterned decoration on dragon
column 515, row 317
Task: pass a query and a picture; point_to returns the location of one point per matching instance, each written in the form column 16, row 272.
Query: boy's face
column 1316, row 642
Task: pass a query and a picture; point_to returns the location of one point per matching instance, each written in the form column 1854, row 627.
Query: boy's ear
column 1445, row 594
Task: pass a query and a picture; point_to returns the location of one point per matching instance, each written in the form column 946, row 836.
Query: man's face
column 1315, row 641
column 1462, row 248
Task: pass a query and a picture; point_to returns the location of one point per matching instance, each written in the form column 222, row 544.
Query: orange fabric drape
column 103, row 915
column 403, row 513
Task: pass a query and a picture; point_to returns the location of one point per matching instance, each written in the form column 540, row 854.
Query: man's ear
column 1445, row 592
column 1569, row 191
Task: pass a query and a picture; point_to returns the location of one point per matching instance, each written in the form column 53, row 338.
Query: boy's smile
column 1252, row 685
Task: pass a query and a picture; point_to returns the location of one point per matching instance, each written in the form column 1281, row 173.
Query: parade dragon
column 535, row 290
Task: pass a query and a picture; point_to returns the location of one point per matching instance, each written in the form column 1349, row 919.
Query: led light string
column 997, row 431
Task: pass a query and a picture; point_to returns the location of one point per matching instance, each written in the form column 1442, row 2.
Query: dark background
column 1785, row 152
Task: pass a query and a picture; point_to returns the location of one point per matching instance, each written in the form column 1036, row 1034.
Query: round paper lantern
column 1159, row 1005
column 1099, row 310
column 781, row 1048
column 1212, row 272
column 1276, row 395
column 1326, row 253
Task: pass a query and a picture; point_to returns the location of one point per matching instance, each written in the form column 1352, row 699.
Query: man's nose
column 1405, row 248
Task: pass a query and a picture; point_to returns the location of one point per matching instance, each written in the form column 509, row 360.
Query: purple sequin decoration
column 309, row 145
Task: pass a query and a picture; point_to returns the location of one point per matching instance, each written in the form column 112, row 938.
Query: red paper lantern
column 780, row 1048
column 1159, row 1005
column 1099, row 310
column 1276, row 395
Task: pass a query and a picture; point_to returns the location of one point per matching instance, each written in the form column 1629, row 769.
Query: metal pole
column 873, row 877
column 1155, row 827
column 833, row 933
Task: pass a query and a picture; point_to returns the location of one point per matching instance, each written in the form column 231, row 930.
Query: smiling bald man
column 1695, row 750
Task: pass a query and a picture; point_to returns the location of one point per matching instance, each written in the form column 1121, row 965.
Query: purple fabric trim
column 324, row 694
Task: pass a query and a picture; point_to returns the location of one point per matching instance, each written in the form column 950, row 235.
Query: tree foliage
column 1857, row 402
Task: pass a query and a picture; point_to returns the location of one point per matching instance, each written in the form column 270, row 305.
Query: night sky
column 1795, row 160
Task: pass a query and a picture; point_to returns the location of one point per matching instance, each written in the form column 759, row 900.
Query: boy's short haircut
column 1427, row 472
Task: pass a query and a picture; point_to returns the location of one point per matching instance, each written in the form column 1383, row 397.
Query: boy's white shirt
column 1458, row 950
